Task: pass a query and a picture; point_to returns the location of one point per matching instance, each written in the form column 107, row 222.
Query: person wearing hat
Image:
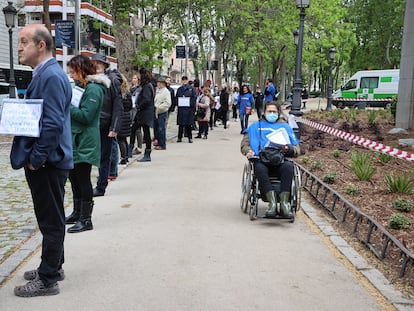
column 186, row 99
column 162, row 103
column 110, row 120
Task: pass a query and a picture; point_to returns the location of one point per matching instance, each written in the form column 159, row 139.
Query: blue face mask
column 271, row 117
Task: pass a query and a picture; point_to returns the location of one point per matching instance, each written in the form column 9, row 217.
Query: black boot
column 146, row 157
column 74, row 217
column 85, row 221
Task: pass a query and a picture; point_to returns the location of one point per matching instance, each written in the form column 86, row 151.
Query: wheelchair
column 251, row 196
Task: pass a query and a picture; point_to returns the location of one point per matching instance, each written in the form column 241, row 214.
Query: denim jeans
column 160, row 130
column 113, row 167
column 244, row 121
column 106, row 150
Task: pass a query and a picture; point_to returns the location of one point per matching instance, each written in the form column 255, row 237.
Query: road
column 169, row 235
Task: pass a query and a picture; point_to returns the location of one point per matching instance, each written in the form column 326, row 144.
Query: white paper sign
column 279, row 137
column 183, row 101
column 21, row 117
column 77, row 93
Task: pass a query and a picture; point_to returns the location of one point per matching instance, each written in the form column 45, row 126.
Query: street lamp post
column 160, row 58
column 9, row 15
column 332, row 52
column 297, row 84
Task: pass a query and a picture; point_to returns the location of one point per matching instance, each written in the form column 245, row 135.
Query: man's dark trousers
column 47, row 185
column 106, row 149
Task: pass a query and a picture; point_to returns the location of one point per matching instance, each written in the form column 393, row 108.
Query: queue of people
column 79, row 129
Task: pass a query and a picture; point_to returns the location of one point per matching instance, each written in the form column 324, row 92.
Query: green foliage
column 305, row 159
column 398, row 221
column 329, row 178
column 336, row 153
column 372, row 116
column 351, row 189
column 316, row 165
column 399, row 183
column 361, row 165
column 351, row 115
column 402, row 205
column 378, row 29
column 393, row 108
column 384, row 158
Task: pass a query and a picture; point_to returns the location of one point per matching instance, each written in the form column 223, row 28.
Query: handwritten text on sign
column 21, row 117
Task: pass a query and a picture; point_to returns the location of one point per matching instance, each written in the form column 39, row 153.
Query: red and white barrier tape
column 373, row 145
column 363, row 99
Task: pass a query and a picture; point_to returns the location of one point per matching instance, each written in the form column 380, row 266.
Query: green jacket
column 86, row 141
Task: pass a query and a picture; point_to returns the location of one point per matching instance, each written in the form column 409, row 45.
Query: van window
column 4, row 89
column 369, row 83
column 351, row 84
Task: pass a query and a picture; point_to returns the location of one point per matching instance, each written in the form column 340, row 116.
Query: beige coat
column 205, row 104
column 162, row 101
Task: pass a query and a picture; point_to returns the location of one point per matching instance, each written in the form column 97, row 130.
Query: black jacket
column 112, row 109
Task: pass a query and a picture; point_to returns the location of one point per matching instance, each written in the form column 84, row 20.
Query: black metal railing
column 367, row 230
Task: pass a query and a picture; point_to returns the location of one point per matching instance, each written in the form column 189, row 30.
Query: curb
column 373, row 275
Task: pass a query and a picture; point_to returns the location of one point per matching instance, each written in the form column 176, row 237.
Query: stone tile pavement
column 17, row 220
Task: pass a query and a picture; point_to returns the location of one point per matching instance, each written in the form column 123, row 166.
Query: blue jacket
column 258, row 130
column 54, row 145
column 270, row 92
column 245, row 100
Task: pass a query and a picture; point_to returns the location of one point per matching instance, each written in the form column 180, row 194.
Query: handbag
column 271, row 156
column 248, row 110
column 201, row 113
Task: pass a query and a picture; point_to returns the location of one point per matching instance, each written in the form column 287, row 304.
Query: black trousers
column 187, row 130
column 284, row 172
column 47, row 186
column 147, row 136
column 80, row 180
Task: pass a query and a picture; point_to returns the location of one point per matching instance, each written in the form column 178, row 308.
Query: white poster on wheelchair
column 279, row 137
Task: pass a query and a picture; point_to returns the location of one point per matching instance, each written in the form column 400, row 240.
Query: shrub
column 362, row 166
column 384, row 158
column 393, row 106
column 372, row 116
column 351, row 189
column 305, row 159
column 399, row 183
column 402, row 205
column 398, row 221
column 329, row 178
column 316, row 165
column 336, row 153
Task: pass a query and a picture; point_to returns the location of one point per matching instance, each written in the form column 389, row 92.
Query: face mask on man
column 271, row 117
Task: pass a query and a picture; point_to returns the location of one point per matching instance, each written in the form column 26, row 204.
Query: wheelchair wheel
column 254, row 201
column 296, row 194
column 246, row 187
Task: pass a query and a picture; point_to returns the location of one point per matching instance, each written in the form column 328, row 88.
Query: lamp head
column 296, row 36
column 332, row 52
column 9, row 14
column 302, row 4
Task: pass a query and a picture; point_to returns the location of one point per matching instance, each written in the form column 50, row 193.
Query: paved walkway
column 19, row 224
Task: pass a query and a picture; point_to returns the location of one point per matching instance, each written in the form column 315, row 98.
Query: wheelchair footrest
column 276, row 217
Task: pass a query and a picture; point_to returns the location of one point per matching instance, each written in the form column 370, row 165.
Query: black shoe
column 198, row 136
column 179, row 140
column 190, row 141
column 36, row 288
column 34, row 275
column 97, row 193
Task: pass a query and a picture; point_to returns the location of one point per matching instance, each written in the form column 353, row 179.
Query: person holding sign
column 46, row 159
column 186, row 100
column 86, row 139
column 272, row 131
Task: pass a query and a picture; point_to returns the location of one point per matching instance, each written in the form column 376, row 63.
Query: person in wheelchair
column 258, row 137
